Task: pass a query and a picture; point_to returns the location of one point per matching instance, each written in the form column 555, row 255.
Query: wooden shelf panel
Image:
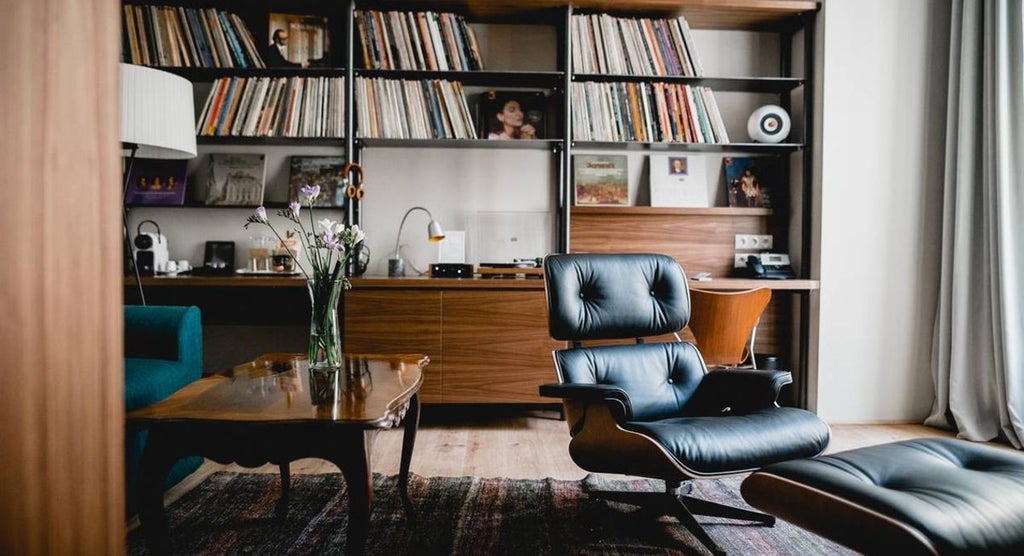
column 677, row 211
column 733, row 284
column 776, row 85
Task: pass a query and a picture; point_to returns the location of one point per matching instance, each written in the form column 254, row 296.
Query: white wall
column 883, row 131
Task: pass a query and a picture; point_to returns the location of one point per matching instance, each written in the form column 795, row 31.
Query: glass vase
column 324, row 330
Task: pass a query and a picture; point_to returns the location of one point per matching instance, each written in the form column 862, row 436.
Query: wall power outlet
column 753, row 241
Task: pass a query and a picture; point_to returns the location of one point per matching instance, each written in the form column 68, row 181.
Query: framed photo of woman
column 512, row 115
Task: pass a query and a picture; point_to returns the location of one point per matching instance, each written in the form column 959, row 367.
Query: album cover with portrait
column 156, row 182
column 512, row 115
column 749, row 181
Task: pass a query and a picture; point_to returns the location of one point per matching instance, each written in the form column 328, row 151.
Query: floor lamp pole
column 124, row 216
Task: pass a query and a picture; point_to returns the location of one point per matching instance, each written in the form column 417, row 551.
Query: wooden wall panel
column 389, row 321
column 496, row 346
column 700, row 243
column 62, row 403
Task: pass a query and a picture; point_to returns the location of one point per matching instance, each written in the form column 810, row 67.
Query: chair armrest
column 160, row 332
column 616, row 397
column 736, row 391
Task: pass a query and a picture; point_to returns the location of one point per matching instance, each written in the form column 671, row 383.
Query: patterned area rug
column 232, row 513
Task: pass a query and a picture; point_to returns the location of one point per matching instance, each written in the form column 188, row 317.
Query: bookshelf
column 790, row 31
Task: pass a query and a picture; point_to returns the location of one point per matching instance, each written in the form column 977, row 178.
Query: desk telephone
column 771, row 266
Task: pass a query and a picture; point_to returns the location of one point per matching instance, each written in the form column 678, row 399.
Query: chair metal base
column 675, row 502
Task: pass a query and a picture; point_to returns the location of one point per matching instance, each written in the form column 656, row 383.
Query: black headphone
column 143, row 241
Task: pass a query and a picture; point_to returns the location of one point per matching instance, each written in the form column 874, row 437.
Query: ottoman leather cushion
column 935, row 495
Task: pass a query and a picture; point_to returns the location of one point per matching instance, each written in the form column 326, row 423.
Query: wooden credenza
column 487, row 338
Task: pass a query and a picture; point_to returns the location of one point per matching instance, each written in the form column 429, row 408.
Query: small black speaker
column 144, row 261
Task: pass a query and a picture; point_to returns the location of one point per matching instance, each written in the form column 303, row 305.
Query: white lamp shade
column 157, row 113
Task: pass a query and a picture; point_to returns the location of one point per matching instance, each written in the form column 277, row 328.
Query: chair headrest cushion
column 603, row 296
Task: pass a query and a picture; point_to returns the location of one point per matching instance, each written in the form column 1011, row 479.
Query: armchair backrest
column 606, row 296
column 624, row 296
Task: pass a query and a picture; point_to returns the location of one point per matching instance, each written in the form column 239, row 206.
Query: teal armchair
column 163, row 350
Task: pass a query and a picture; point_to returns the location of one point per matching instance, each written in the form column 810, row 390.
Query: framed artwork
column 601, row 179
column 512, row 115
column 297, row 41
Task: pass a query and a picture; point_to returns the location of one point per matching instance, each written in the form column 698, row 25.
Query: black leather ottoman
column 922, row 496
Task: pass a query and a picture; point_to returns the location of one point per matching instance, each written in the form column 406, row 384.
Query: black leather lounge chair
column 653, row 409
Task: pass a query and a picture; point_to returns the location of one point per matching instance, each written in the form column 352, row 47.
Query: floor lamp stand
column 124, row 216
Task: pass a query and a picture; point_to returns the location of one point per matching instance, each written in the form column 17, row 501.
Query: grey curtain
column 978, row 343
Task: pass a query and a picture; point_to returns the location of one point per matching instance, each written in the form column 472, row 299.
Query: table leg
column 157, row 460
column 354, row 462
column 281, row 510
column 412, row 423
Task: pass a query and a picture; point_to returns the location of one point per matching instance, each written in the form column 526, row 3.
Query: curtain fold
column 978, row 342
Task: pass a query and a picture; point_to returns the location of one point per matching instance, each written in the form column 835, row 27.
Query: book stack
column 646, row 112
column 417, row 41
column 187, row 37
column 622, row 46
column 399, row 109
column 274, row 107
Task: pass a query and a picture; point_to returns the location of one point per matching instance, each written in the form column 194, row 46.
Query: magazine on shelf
column 601, row 179
column 678, row 181
column 236, row 179
column 325, row 171
column 749, row 181
column 157, row 182
column 297, row 41
column 512, row 115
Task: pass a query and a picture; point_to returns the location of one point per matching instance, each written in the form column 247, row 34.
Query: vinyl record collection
column 401, row 109
column 187, row 37
column 646, row 112
column 622, row 46
column 417, row 41
column 275, row 107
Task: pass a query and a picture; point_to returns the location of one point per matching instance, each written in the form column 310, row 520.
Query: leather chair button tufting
column 652, row 292
column 670, row 381
column 581, row 295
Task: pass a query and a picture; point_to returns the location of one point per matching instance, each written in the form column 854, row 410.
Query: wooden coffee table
column 261, row 412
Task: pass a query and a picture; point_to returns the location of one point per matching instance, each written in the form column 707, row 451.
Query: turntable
column 528, row 268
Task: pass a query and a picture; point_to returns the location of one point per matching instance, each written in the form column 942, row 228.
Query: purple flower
column 331, row 241
column 261, row 214
column 294, row 206
column 310, row 191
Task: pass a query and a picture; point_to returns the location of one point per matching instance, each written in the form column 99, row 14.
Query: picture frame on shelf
column 678, row 180
column 512, row 115
column 297, row 41
column 157, row 182
column 324, row 171
column 601, row 180
column 749, row 181
column 236, row 179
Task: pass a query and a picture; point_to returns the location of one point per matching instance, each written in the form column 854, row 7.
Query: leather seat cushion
column 736, row 443
column 964, row 497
